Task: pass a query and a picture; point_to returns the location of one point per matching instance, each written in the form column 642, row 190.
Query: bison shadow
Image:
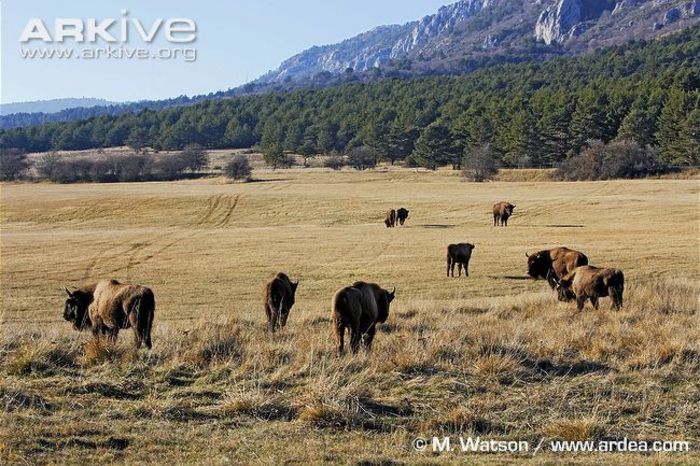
column 548, row 368
column 437, row 225
column 564, row 226
column 511, row 277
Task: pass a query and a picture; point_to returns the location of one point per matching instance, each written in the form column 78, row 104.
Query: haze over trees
column 533, row 114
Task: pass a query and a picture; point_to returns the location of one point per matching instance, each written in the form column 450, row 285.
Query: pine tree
column 672, row 117
column 639, row 124
column 435, row 147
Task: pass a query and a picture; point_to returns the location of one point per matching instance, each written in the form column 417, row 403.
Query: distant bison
column 501, row 212
column 559, row 260
column 588, row 282
column 108, row 306
column 459, row 254
column 401, row 215
column 279, row 299
column 359, row 308
column 390, row 219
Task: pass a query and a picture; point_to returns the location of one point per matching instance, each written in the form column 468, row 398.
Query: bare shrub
column 479, row 164
column 238, row 168
column 362, row 158
column 617, row 159
column 334, row 162
column 13, row 164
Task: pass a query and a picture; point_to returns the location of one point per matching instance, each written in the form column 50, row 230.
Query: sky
column 236, row 41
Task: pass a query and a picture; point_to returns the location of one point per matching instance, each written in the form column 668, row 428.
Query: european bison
column 390, row 220
column 401, row 215
column 588, row 282
column 279, row 299
column 359, row 308
column 559, row 260
column 109, row 306
column 501, row 212
column 459, row 254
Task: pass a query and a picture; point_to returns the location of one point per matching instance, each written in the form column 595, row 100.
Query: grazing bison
column 501, row 212
column 109, row 306
column 279, row 299
column 359, row 308
column 588, row 282
column 401, row 215
column 459, row 254
column 559, row 260
column 390, row 220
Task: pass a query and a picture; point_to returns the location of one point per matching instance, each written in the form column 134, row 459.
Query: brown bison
column 279, row 299
column 459, row 254
column 390, row 220
column 559, row 260
column 359, row 308
column 501, row 212
column 588, row 282
column 109, row 306
column 401, row 215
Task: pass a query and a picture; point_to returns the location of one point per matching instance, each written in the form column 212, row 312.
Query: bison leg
column 340, row 337
column 368, row 337
column 450, row 266
column 466, row 269
column 459, row 269
column 355, row 338
column 594, row 302
column 580, row 302
column 616, row 298
column 495, row 220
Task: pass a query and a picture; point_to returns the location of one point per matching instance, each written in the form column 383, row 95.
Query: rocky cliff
column 463, row 35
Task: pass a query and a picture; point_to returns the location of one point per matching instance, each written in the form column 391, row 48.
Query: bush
column 362, row 158
column 170, row 167
column 334, row 162
column 618, row 159
column 479, row 164
column 238, row 168
column 13, row 164
column 276, row 158
column 195, row 157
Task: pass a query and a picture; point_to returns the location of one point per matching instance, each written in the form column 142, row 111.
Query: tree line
column 529, row 114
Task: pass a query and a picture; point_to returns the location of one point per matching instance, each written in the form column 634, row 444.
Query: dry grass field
column 493, row 355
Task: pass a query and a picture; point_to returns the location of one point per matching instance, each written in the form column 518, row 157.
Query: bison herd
column 109, row 306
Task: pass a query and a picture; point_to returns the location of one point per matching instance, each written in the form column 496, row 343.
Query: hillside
column 52, row 105
column 458, row 39
column 470, row 33
column 533, row 114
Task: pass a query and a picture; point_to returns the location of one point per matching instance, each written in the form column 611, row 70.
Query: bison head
column 539, row 264
column 383, row 304
column 509, row 209
column 75, row 309
column 563, row 287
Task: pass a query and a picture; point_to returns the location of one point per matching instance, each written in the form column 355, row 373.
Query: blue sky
column 236, row 41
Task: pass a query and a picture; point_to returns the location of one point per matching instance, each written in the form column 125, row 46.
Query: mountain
column 460, row 38
column 465, row 35
column 52, row 105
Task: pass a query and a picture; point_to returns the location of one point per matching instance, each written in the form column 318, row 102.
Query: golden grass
column 493, row 355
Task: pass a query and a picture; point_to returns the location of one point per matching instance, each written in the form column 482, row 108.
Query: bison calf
column 459, row 254
column 501, row 213
column 359, row 308
column 590, row 283
column 279, row 299
column 109, row 306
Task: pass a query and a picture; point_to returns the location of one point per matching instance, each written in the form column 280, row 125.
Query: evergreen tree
column 435, row 147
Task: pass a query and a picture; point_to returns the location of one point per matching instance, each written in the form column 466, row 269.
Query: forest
column 531, row 114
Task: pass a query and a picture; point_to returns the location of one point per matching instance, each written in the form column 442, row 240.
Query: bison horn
column 526, row 254
column 393, row 291
column 68, row 291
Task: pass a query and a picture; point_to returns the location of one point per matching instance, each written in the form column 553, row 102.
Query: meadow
column 494, row 355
